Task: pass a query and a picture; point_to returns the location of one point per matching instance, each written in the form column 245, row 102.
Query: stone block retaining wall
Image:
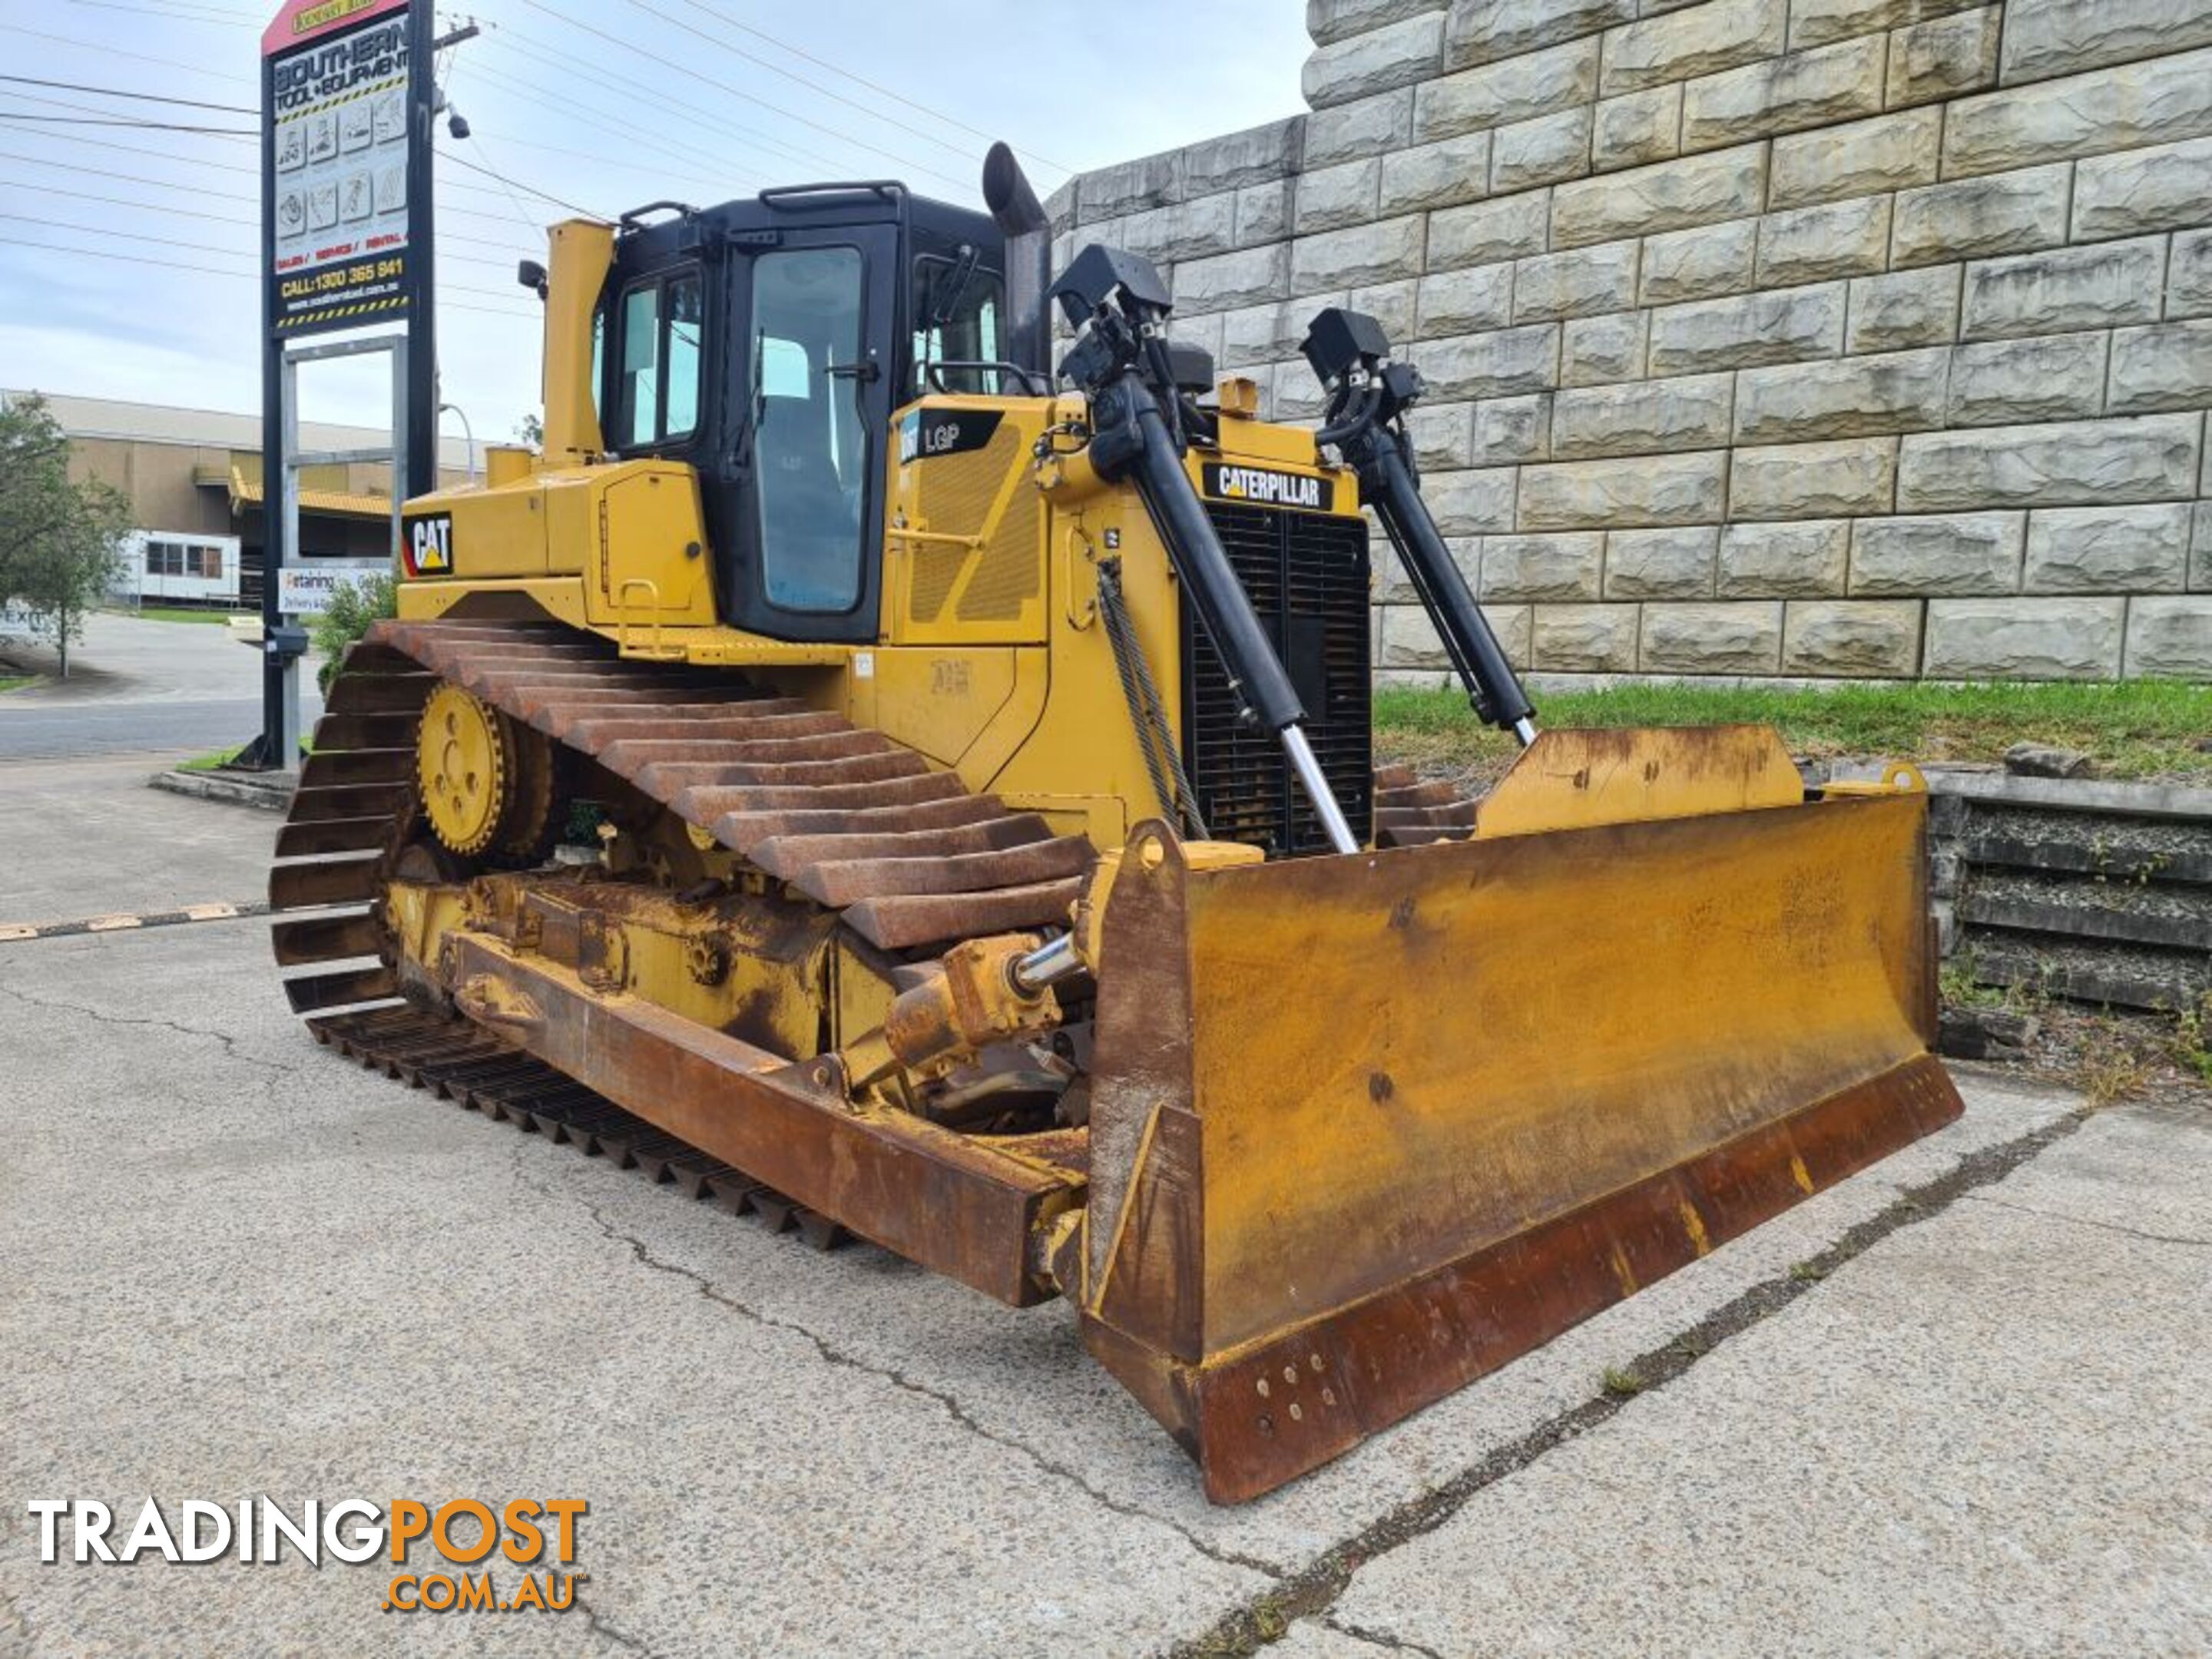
column 1868, row 338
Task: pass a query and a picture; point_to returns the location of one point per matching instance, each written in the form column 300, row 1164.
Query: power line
column 209, row 14
column 199, row 213
column 560, row 62
column 100, row 121
column 668, row 147
column 111, row 177
column 116, row 91
column 724, row 87
column 862, row 80
column 215, row 247
column 794, row 76
column 529, row 190
column 216, row 271
column 168, row 63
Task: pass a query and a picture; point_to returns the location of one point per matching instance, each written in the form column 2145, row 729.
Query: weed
column 2191, row 1042
column 1622, row 1384
column 1807, row 1272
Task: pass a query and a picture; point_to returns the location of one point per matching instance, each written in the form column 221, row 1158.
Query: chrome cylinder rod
column 1314, row 782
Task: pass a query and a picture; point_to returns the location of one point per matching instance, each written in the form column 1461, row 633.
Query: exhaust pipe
column 1019, row 215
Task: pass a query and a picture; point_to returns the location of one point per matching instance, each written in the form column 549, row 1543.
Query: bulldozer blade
column 1366, row 1127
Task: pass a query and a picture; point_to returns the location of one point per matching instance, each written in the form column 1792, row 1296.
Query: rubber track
column 457, row 1061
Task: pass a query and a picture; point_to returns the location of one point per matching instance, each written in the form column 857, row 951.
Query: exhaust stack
column 1015, row 209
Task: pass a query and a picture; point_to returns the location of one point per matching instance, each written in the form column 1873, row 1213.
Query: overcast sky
column 604, row 103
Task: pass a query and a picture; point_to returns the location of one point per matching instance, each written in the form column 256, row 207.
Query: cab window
column 956, row 321
column 812, row 436
column 657, row 399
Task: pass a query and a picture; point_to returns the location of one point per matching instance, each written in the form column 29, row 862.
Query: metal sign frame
column 318, row 58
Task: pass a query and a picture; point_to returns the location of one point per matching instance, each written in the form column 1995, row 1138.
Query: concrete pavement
column 141, row 688
column 238, row 1264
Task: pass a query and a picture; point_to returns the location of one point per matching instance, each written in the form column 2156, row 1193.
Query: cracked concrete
column 239, row 1264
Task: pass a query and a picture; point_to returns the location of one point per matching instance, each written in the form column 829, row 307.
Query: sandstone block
column 1511, row 430
column 1697, row 40
column 2100, row 286
column 2044, row 38
column 1393, row 586
column 1663, row 489
column 1508, row 363
column 1410, row 639
column 1851, row 397
column 1786, row 325
column 2165, row 187
column 1703, row 264
column 1598, row 350
column 1230, row 280
column 1365, row 253
column 1661, row 564
column 1637, row 127
column 1578, row 282
column 2189, row 276
column 2143, row 458
column 1871, row 639
column 1497, row 94
column 1785, row 94
column 1329, row 198
column 1483, row 31
column 1294, row 394
column 2108, row 549
column 1906, row 309
column 1446, row 173
column 1743, row 638
column 1643, row 417
column 1814, row 481
column 1519, row 567
column 1443, row 435
column 1837, row 239
column 1584, row 639
column 1961, row 555
column 1860, row 158
column 1330, row 21
column 2057, row 377
column 2156, row 368
column 1395, row 304
column 2092, row 114
column 1477, row 502
column 1817, row 22
column 2170, row 639
column 1489, row 232
column 1465, row 301
column 1259, row 334
column 1542, row 151
column 1203, row 331
column 2023, row 639
column 1187, row 230
column 1696, row 189
column 1150, row 181
column 1783, row 560
column 2200, row 551
column 1345, row 132
column 1359, row 66
column 1263, row 212
column 1945, row 58
column 1973, row 218
column 1250, row 157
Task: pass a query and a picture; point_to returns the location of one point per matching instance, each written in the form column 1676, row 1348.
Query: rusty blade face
column 1383, row 1122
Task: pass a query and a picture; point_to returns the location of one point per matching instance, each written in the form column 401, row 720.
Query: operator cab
column 766, row 343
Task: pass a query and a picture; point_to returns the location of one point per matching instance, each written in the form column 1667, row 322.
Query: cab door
column 811, row 378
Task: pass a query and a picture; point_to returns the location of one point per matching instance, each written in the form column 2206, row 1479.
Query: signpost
column 347, row 104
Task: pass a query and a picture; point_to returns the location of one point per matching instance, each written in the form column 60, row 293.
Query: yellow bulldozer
column 885, row 778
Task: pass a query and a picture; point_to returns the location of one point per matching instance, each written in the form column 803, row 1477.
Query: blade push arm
column 1121, row 361
column 1369, row 396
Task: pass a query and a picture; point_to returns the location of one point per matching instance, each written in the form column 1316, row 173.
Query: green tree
column 353, row 607
column 60, row 541
column 530, row 431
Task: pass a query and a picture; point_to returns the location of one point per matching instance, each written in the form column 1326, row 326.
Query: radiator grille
column 1307, row 575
